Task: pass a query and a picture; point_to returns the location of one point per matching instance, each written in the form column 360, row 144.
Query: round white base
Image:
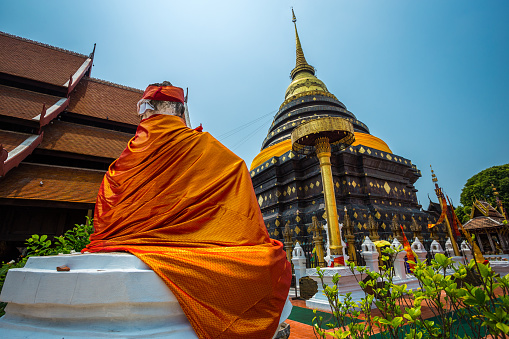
column 104, row 295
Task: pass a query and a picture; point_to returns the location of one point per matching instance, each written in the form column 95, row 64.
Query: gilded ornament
column 387, row 187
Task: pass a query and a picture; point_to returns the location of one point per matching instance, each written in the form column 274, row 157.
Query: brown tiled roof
column 58, row 183
column 74, row 138
column 23, row 104
column 37, row 61
column 483, row 222
column 105, row 100
column 480, row 208
column 10, row 140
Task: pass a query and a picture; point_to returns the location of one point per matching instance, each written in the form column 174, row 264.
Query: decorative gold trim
column 308, row 93
column 339, row 132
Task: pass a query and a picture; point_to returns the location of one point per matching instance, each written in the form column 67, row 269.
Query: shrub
column 464, row 303
column 73, row 240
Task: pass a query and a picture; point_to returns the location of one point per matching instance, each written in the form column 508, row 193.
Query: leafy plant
column 73, row 240
column 467, row 301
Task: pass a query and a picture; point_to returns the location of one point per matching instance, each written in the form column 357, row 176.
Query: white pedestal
column 347, row 283
column 105, row 295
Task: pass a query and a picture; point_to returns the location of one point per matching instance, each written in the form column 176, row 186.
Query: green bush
column 464, row 304
column 73, row 240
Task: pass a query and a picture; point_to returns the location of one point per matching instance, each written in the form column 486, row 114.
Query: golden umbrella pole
column 322, row 136
column 323, row 152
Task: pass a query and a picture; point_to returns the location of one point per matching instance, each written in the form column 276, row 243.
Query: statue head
column 162, row 98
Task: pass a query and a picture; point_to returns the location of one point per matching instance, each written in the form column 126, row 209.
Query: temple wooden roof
column 10, row 140
column 483, row 208
column 37, row 61
column 483, row 222
column 81, row 139
column 53, row 183
column 23, row 104
column 105, row 100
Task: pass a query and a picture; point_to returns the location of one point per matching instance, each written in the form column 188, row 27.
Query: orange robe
column 185, row 205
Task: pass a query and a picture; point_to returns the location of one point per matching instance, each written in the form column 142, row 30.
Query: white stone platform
column 347, row 284
column 104, row 295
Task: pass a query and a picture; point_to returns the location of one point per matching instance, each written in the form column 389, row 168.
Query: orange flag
column 408, row 249
column 443, row 215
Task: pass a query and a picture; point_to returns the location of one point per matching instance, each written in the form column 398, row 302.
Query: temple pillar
column 318, row 241
column 323, row 152
column 287, row 235
column 350, row 238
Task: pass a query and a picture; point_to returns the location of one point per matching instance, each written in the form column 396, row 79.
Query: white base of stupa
column 347, row 284
column 104, row 295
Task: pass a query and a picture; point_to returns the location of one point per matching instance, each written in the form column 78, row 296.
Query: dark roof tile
column 105, row 100
column 34, row 60
column 482, row 223
column 10, row 140
column 74, row 138
column 58, row 183
column 23, row 104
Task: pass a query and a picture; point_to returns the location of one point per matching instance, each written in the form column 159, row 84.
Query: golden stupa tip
column 433, row 176
column 294, row 19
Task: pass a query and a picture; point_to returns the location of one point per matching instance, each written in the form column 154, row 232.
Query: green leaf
column 503, row 327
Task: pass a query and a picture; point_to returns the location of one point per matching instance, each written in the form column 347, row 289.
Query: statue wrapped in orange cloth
column 184, row 204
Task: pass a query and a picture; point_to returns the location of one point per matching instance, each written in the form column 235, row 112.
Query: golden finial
column 433, row 176
column 300, row 63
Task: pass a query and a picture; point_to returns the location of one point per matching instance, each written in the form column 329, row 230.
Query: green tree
column 479, row 186
column 463, row 213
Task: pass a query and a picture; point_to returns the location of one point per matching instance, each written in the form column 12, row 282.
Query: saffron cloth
column 185, row 205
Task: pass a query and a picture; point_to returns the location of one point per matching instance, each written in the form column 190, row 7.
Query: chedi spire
column 300, row 62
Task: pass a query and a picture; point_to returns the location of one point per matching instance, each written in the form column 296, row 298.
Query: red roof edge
column 51, row 113
column 75, row 78
column 10, row 160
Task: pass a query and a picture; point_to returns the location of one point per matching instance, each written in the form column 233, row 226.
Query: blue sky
column 430, row 78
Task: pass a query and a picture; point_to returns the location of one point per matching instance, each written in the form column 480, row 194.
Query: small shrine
column 489, row 227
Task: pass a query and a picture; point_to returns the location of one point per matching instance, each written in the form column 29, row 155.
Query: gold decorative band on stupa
column 322, row 145
column 338, row 131
column 308, row 93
